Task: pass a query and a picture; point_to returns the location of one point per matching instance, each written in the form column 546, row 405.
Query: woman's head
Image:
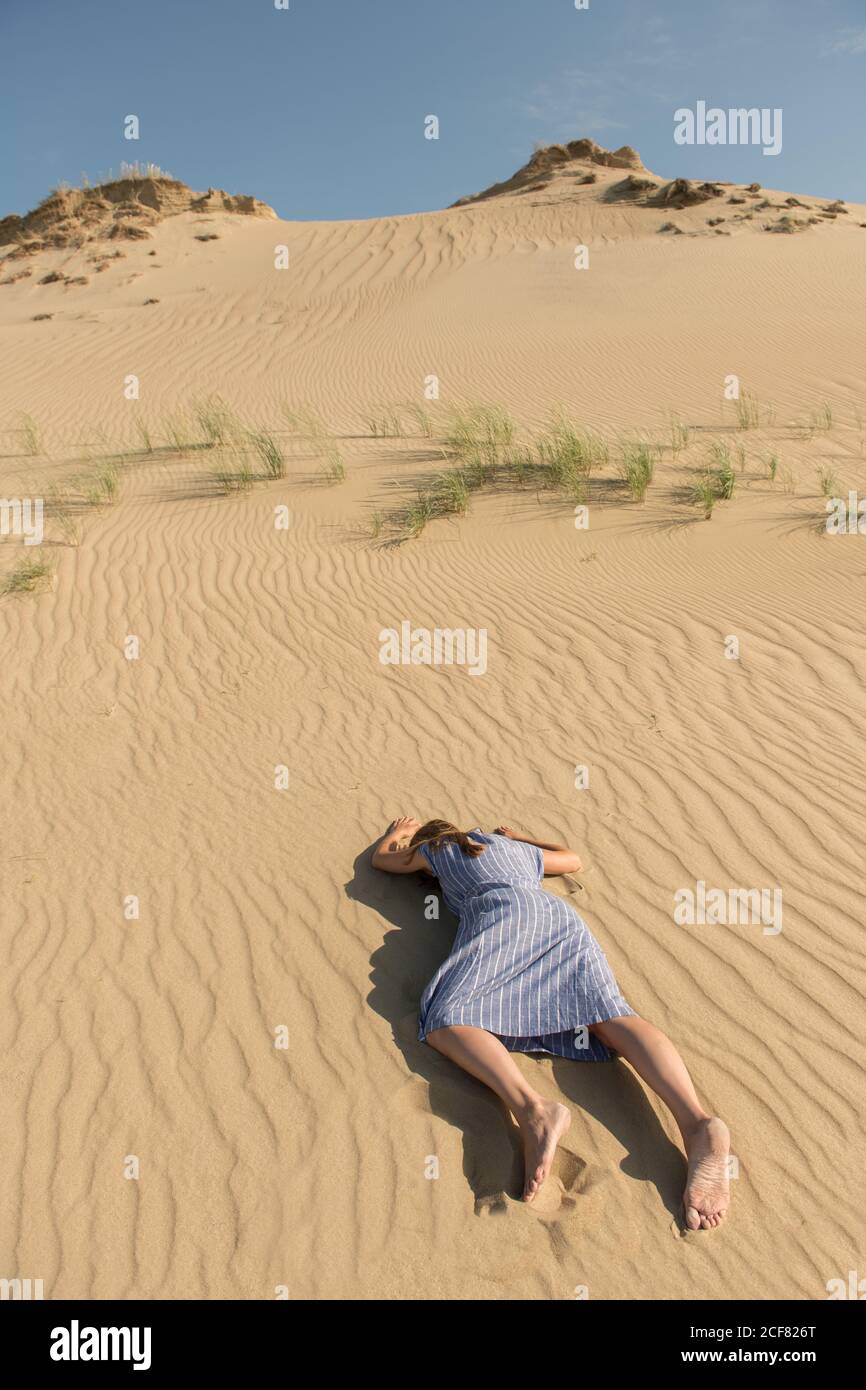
column 436, row 833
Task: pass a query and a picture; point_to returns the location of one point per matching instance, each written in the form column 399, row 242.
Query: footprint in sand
column 571, row 1177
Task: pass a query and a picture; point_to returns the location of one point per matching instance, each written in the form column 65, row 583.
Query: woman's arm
column 395, row 860
column 558, row 859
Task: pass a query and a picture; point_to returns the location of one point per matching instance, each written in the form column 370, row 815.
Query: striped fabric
column 524, row 965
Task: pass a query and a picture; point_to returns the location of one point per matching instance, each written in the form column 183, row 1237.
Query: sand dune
column 305, row 1167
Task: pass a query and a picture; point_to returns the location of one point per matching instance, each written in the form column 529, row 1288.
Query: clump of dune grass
column 636, row 468
column 305, row 421
column 419, row 513
column 480, row 429
column 107, row 478
column 422, row 417
column 59, row 510
column 101, row 485
column 137, row 169
column 477, row 440
column 748, row 412
column 267, row 449
column 239, row 479
column 705, row 494
column 679, row 435
column 308, row 424
column 720, row 452
column 448, row 496
column 452, row 492
column 216, row 421
column 771, row 462
column 789, row 482
column 741, row 457
column 27, row 576
column 145, row 436
column 377, row 521
column 520, row 462
column 827, row 482
column 333, row 466
column 569, row 454
column 178, row 430
column 478, row 466
column 31, row 435
column 824, row 417
column 725, row 480
column 385, row 425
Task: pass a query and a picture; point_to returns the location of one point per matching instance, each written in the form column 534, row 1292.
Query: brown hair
column 437, row 833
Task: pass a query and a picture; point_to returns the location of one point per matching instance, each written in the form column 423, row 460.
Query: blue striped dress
column 524, row 965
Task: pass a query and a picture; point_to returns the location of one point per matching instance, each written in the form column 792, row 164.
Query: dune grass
column 705, row 495
column 422, row 418
column 748, row 412
column 333, row 466
column 718, row 481
column 145, row 436
column 448, row 495
column 31, row 434
column 60, row 509
column 179, row 430
column 636, row 467
column 305, row 421
column 309, row 425
column 453, row 492
column 827, row 482
column 387, row 424
column 479, row 449
column 680, row 435
column 568, row 455
column 27, row 577
column 239, row 479
column 725, row 480
column 107, row 480
column 479, row 429
column 218, row 425
column 520, row 463
column 419, row 513
column 269, row 453
column 101, row 485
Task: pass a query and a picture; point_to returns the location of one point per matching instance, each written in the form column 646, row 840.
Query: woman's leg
column 541, row 1122
column 705, row 1137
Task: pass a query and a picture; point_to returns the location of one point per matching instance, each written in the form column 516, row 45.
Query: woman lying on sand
column 526, row 975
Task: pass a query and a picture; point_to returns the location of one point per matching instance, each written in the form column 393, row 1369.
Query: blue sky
column 319, row 109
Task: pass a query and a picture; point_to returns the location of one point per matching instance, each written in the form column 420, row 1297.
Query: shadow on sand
column 410, row 953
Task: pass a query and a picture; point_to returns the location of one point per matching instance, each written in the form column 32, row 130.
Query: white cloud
column 848, row 41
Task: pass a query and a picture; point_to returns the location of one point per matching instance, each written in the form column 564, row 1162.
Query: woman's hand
column 391, row 853
column 506, row 831
column 403, row 828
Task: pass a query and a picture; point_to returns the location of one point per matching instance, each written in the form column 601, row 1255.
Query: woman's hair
column 437, row 833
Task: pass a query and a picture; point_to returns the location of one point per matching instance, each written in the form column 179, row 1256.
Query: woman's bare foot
column 707, row 1192
column 542, row 1128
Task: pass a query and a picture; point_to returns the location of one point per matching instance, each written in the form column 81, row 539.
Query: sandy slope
column 306, row 1167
